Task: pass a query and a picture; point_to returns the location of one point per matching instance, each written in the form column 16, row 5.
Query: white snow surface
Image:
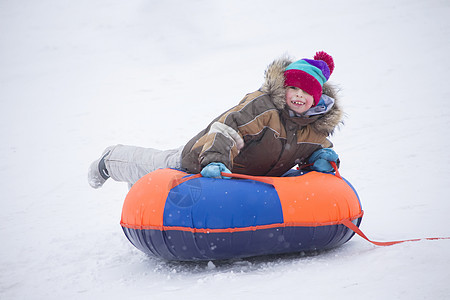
column 78, row 76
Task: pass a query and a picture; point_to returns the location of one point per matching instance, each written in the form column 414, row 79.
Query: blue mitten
column 212, row 170
column 321, row 160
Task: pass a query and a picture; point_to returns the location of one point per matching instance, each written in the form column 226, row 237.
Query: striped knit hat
column 310, row 74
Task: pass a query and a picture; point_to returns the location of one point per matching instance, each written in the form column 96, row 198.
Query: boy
column 284, row 123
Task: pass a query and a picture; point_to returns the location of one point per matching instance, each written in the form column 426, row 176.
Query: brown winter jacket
column 261, row 136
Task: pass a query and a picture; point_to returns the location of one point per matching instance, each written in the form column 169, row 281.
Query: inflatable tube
column 177, row 216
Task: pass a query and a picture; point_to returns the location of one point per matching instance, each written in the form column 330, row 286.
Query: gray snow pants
column 129, row 163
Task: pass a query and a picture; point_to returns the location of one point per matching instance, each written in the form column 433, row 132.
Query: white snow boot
column 98, row 174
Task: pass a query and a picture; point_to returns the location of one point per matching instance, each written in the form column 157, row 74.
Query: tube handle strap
column 183, row 178
column 177, row 180
column 263, row 179
column 333, row 164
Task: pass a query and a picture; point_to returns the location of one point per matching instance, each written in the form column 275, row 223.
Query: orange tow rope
column 358, row 231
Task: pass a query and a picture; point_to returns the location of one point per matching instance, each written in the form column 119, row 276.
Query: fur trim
column 274, row 81
column 274, row 86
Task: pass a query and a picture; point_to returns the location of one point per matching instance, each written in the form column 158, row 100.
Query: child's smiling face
column 298, row 100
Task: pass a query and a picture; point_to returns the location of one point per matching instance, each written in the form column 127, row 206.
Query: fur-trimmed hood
column 274, row 86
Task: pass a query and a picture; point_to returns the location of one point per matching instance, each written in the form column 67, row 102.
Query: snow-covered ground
column 77, row 76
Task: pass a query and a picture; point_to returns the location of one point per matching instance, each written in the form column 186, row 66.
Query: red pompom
column 322, row 55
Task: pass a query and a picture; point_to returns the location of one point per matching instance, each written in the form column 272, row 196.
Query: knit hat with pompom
column 310, row 74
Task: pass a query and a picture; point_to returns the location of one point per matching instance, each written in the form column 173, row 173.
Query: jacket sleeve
column 228, row 134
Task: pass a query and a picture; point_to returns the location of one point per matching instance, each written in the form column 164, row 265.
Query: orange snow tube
column 178, row 216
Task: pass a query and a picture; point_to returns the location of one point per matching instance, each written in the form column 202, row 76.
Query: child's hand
column 321, row 160
column 213, row 170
